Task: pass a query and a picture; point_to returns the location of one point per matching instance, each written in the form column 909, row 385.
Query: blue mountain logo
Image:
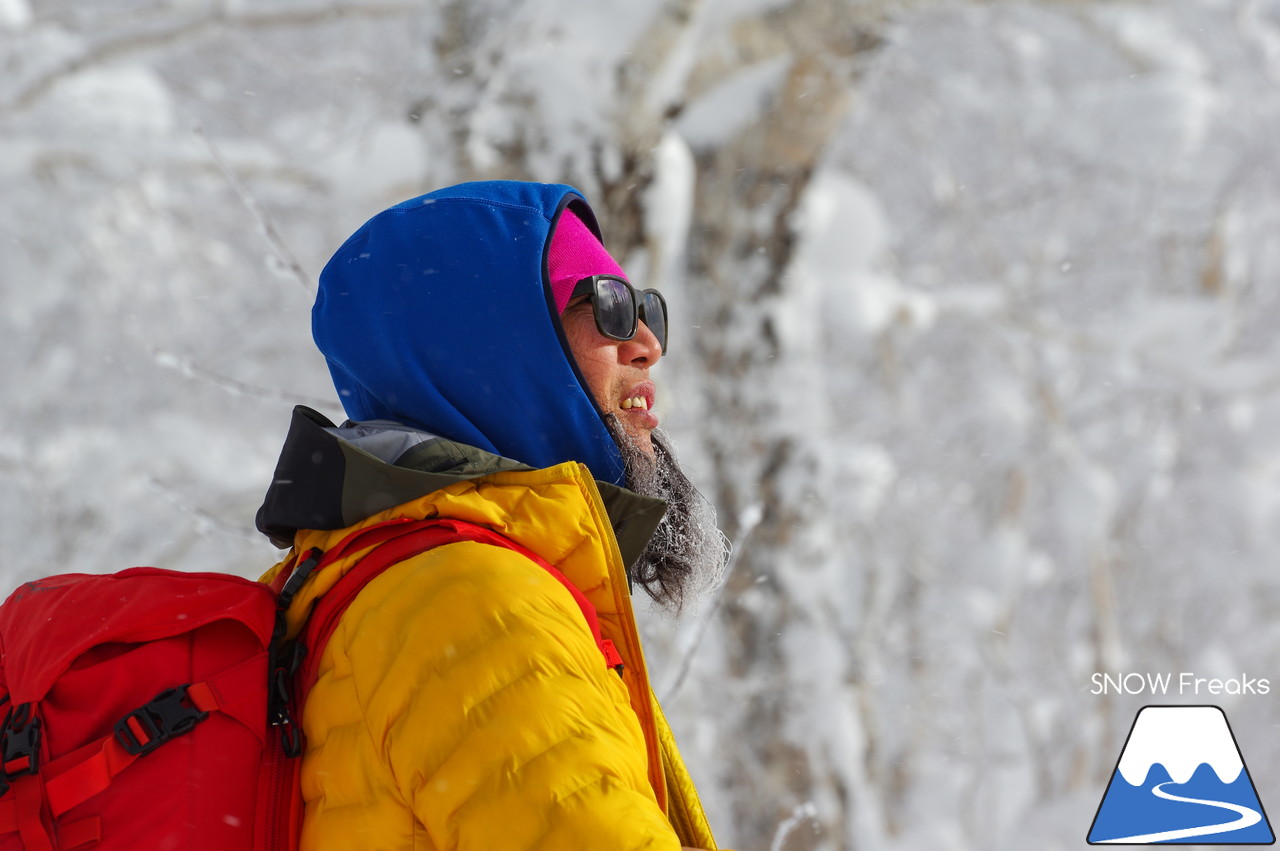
column 1180, row 780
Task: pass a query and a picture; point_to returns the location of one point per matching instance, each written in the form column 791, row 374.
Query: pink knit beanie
column 575, row 254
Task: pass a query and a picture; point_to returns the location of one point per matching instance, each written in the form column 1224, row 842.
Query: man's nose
column 641, row 350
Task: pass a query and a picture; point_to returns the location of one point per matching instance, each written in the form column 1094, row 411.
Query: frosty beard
column 688, row 552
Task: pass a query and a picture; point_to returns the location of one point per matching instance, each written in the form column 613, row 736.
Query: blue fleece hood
column 437, row 313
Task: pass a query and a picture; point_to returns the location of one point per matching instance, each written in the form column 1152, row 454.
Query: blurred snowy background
column 973, row 342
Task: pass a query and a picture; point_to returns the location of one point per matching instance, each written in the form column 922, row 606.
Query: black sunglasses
column 619, row 308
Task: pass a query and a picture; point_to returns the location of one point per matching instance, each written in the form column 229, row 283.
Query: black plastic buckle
column 280, row 700
column 165, row 717
column 290, row 735
column 21, row 749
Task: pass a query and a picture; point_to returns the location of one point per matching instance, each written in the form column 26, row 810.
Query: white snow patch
column 844, row 249
column 870, row 471
column 1155, row 39
column 385, row 157
column 669, row 206
column 14, row 15
column 123, row 97
column 721, row 113
column 1029, row 45
column 1185, row 68
column 668, row 83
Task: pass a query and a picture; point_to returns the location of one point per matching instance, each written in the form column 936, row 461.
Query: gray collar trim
column 385, row 440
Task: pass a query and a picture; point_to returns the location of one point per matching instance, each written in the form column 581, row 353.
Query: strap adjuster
column 21, row 745
column 165, row 717
column 280, row 701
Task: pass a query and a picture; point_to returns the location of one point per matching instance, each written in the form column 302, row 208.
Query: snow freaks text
column 1184, row 683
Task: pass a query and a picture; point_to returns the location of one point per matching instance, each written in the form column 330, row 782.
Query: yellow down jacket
column 462, row 702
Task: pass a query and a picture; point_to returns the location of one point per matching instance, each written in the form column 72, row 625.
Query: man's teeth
column 635, row 402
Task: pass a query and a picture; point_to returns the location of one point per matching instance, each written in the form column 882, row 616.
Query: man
column 495, row 364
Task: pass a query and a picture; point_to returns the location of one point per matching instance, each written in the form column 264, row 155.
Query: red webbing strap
column 368, row 536
column 88, row 776
column 612, row 658
column 78, row 776
column 412, row 538
column 70, row 836
column 8, row 813
column 79, row 833
column 611, row 655
column 28, row 812
column 402, row 544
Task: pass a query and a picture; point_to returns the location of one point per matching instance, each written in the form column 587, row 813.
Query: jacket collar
column 331, row 478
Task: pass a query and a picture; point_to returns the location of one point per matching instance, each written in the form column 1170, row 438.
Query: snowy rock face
column 972, row 344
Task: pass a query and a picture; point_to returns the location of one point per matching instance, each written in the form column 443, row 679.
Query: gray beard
column 688, row 552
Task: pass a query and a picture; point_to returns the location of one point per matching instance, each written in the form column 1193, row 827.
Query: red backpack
column 156, row 709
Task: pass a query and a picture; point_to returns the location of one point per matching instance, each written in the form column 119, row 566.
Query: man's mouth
column 638, row 398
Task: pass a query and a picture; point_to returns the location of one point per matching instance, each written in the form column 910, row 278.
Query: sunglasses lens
column 615, row 310
column 653, row 312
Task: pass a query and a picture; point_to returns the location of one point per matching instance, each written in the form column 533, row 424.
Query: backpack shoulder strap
column 393, row 543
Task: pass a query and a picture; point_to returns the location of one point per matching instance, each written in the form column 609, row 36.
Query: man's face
column 687, row 551
column 617, row 373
